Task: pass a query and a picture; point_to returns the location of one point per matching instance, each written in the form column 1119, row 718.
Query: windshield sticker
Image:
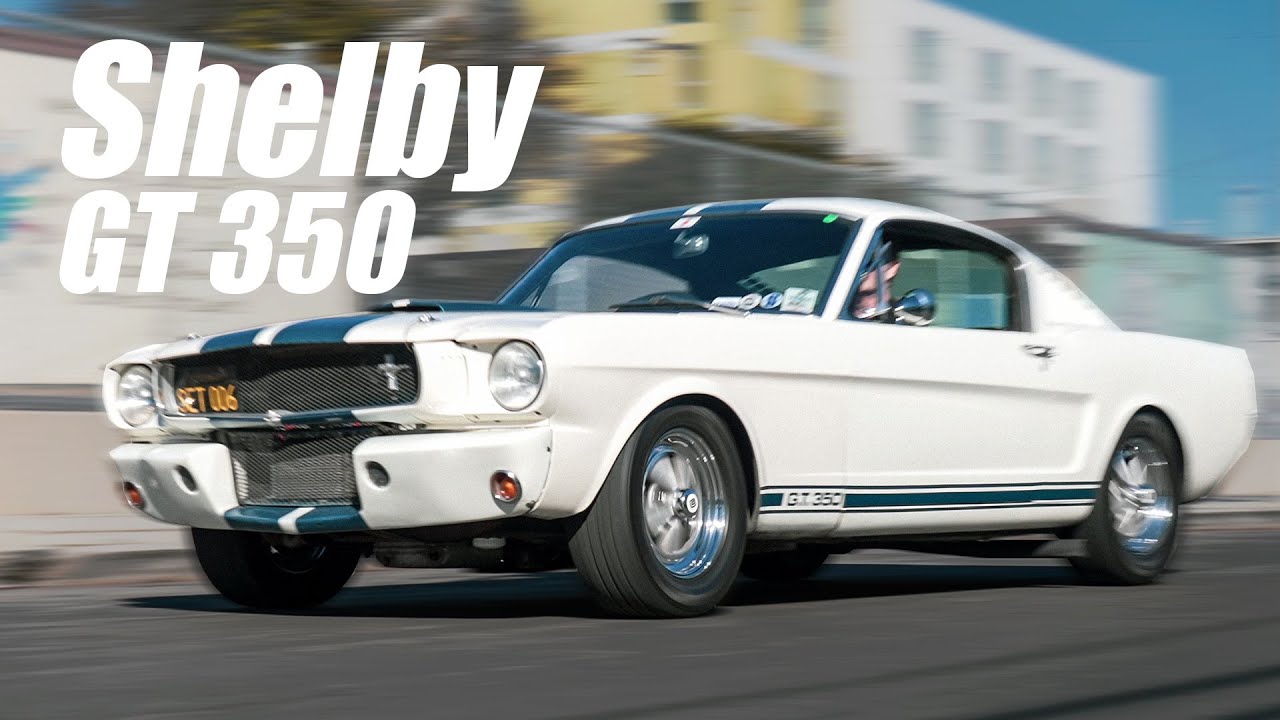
column 727, row 301
column 686, row 222
column 772, row 301
column 799, row 300
column 750, row 302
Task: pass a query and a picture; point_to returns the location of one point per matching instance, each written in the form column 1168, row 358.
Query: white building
column 994, row 117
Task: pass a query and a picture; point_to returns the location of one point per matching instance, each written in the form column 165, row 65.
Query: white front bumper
column 437, row 478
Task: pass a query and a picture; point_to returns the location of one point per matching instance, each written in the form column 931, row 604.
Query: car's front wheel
column 251, row 571
column 1131, row 534
column 665, row 535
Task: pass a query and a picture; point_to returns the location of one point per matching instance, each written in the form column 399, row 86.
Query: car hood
column 476, row 323
column 461, row 322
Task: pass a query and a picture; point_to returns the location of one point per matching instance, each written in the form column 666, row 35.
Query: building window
column 1084, row 169
column 1043, row 92
column 924, row 55
column 1082, row 103
column 994, row 81
column 813, row 23
column 682, row 11
column 1043, row 160
column 926, row 130
column 994, row 143
column 692, row 84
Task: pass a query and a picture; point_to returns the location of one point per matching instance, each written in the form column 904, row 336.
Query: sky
column 1218, row 64
column 1219, row 69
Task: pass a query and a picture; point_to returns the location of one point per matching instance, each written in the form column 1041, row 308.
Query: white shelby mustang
column 895, row 377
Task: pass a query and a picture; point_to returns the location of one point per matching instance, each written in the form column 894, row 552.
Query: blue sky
column 1219, row 68
column 27, row 5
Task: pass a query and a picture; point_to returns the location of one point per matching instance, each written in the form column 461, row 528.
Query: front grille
column 296, row 467
column 300, row 378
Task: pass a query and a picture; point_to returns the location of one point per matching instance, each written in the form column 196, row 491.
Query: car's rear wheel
column 665, row 535
column 784, row 565
column 1132, row 531
column 251, row 571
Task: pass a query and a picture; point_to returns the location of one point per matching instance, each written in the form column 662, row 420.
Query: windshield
column 771, row 262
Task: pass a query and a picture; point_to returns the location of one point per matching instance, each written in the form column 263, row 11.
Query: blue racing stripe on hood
column 323, row 330
column 724, row 208
column 230, row 341
column 663, row 214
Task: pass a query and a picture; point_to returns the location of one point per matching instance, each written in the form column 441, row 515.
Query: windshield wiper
column 665, row 301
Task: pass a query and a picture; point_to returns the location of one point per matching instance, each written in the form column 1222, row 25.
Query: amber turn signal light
column 505, row 486
column 133, row 496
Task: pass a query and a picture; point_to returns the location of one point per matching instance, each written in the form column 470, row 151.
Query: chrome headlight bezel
column 517, row 375
column 135, row 400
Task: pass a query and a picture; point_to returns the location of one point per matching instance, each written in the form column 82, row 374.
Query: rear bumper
column 438, row 478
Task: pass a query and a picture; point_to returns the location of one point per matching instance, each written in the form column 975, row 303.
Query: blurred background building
column 984, row 118
column 655, row 103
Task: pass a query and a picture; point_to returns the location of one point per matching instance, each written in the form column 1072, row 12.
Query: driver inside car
column 874, row 300
column 875, row 290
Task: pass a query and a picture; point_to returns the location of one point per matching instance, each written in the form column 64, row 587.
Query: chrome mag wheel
column 684, row 504
column 1142, row 496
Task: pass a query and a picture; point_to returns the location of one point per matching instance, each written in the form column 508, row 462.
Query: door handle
column 1044, row 352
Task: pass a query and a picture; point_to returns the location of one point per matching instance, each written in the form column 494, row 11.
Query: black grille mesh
column 300, row 378
column 296, row 467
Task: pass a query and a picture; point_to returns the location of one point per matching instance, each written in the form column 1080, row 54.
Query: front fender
column 588, row 436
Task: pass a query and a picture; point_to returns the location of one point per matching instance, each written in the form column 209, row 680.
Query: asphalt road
column 878, row 635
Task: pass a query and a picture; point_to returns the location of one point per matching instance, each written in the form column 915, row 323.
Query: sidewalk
column 128, row 531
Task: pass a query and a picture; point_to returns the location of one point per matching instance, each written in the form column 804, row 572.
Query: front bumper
column 437, row 478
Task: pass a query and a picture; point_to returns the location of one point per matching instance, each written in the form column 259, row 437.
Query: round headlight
column 515, row 375
column 136, row 395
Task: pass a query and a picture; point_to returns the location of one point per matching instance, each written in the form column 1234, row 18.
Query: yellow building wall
column 647, row 79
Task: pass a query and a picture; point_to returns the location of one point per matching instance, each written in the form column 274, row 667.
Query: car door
column 973, row 421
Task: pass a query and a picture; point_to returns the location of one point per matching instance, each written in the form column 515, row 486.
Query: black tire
column 612, row 547
column 785, row 565
column 247, row 570
column 1107, row 558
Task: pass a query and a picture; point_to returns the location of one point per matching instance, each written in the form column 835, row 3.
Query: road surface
column 878, row 635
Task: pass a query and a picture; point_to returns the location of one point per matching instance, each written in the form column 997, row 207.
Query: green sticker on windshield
column 830, row 218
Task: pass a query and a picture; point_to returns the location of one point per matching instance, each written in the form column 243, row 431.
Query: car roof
column 852, row 208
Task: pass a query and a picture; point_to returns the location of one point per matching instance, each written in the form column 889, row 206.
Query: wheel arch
column 737, row 428
column 1179, row 447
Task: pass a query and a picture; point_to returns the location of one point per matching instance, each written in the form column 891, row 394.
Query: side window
column 972, row 288
column 971, row 279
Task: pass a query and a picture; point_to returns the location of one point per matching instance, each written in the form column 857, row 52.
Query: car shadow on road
column 562, row 594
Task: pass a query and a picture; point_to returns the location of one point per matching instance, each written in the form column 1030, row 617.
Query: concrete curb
column 91, row 565
column 42, row 567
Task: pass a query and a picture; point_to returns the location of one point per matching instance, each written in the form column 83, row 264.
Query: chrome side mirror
column 917, row 307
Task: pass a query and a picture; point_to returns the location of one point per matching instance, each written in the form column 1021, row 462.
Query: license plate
column 200, row 399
